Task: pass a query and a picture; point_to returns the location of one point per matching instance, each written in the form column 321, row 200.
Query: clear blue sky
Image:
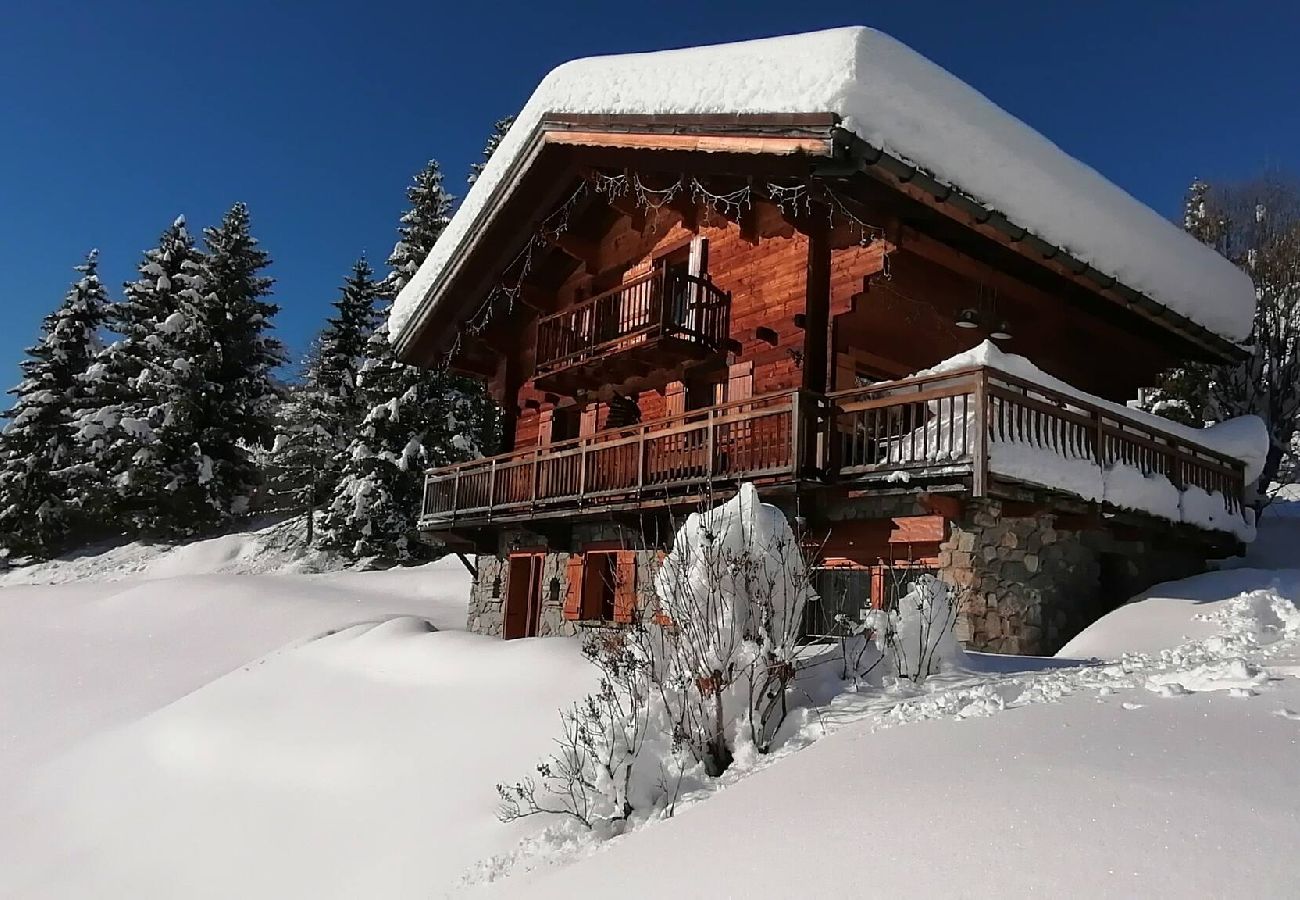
column 117, row 116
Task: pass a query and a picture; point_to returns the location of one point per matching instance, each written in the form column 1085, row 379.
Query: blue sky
column 117, row 116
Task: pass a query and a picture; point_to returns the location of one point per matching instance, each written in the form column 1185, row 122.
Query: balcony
column 980, row 427
column 660, row 320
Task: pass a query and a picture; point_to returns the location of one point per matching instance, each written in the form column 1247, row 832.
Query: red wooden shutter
column 544, row 425
column 625, row 586
column 573, row 588
column 587, row 425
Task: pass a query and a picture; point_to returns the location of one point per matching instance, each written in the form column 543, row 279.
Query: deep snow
column 898, row 101
column 216, row 735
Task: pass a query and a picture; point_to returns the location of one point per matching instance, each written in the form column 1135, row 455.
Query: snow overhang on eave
column 968, row 211
column 810, row 135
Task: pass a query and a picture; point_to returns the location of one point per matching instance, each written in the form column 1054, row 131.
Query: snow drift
column 902, row 103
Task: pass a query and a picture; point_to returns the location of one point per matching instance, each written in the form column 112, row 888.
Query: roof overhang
column 812, row 138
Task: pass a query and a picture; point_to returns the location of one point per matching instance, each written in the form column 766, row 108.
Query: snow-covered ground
column 182, row 731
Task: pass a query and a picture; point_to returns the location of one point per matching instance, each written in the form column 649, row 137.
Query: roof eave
column 782, row 134
column 911, row 178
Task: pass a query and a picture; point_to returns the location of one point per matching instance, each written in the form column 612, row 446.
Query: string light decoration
column 792, row 199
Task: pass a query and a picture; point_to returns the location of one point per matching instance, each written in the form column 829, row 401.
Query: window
column 601, row 586
column 850, row 589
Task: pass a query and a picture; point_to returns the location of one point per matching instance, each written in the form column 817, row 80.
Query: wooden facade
column 745, row 305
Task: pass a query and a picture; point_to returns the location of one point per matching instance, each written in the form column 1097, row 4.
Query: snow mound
column 275, row 547
column 359, row 764
column 900, row 102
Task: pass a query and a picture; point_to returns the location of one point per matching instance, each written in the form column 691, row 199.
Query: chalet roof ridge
column 898, row 103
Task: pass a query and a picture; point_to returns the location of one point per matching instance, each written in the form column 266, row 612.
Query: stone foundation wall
column 486, row 613
column 1026, row 586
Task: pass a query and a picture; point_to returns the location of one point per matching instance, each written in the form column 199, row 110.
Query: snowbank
column 1244, row 438
column 1169, row 774
column 898, row 101
column 360, row 764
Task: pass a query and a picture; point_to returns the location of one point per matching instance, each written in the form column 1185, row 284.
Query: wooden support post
column 469, row 566
column 980, row 458
column 817, row 302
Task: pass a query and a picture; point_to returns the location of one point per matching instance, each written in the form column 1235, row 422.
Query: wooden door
column 523, row 610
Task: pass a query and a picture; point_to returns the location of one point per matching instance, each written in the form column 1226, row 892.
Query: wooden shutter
column 587, row 425
column 573, row 588
column 674, row 398
column 544, row 426
column 625, row 586
column 740, row 381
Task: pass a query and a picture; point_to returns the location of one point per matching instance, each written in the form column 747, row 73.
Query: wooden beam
column 704, row 143
column 583, row 250
column 817, row 303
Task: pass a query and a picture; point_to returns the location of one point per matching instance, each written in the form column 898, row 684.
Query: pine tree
column 499, row 129
column 1183, row 393
column 238, row 413
column 416, row 420
column 419, row 227
column 40, row 512
column 323, row 412
column 143, row 413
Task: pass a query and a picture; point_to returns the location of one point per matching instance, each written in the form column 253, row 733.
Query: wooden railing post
column 980, row 456
column 798, row 458
column 537, row 476
column 709, row 446
column 582, row 471
column 492, row 485
column 455, row 494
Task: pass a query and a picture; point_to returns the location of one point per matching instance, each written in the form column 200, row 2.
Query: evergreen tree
column 1183, row 393
column 322, row 413
column 1256, row 225
column 40, row 512
column 419, row 227
column 237, row 414
column 143, row 415
column 416, row 420
column 499, row 130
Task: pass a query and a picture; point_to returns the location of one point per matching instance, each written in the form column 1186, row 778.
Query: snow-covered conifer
column 143, row 418
column 322, row 413
column 420, row 225
column 416, row 419
column 40, row 512
column 499, row 129
column 237, row 413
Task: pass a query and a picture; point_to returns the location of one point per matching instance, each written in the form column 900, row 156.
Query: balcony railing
column 979, row 424
column 657, row 306
column 753, row 439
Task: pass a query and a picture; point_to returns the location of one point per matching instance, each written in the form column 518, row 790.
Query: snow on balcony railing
column 996, row 414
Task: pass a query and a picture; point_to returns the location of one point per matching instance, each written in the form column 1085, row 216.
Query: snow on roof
column 899, row 102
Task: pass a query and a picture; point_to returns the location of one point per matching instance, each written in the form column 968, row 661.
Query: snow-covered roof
column 905, row 105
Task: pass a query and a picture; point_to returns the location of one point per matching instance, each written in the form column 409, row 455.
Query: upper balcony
column 661, row 320
column 978, row 426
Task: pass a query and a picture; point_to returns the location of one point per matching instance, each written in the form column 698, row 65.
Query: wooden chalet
column 668, row 304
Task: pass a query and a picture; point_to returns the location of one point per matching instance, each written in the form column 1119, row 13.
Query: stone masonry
column 1027, row 586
